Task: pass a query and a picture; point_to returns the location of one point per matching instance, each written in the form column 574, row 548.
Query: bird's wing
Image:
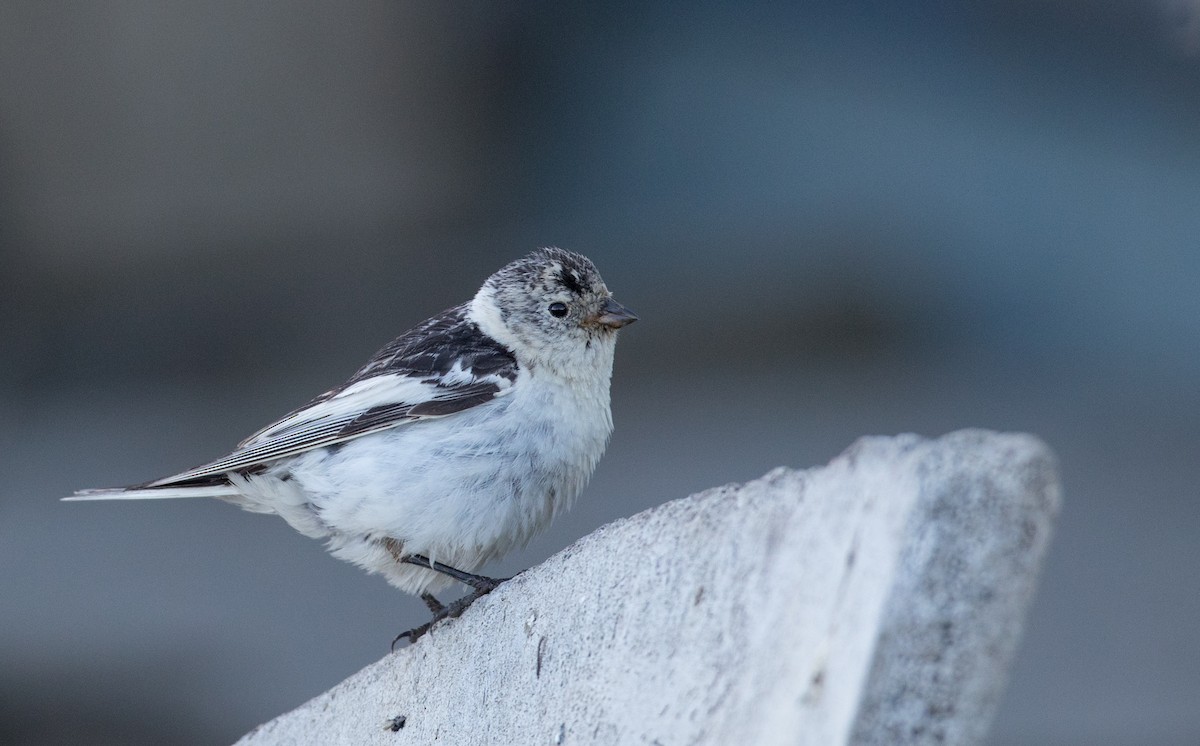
column 441, row 367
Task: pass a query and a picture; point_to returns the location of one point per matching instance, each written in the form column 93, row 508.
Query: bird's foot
column 481, row 586
column 442, row 611
column 435, row 606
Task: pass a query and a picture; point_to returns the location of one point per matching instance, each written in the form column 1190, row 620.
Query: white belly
column 463, row 489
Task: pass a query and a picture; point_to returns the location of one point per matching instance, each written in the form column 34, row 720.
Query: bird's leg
column 478, row 582
column 481, row 584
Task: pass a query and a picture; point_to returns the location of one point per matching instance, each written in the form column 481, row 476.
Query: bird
column 455, row 443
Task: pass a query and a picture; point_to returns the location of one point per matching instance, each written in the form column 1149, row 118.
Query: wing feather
column 442, row 367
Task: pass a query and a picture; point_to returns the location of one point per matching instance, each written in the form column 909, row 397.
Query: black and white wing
column 443, row 366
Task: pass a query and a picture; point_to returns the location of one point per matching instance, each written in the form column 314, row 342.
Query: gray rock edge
column 878, row 599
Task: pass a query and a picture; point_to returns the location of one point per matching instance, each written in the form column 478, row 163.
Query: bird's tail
column 155, row 493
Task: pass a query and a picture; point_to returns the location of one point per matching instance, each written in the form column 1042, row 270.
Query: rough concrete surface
column 874, row 600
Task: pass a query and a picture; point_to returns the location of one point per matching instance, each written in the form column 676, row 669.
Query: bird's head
column 552, row 308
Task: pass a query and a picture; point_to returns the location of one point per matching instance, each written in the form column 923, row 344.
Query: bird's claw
column 452, row 611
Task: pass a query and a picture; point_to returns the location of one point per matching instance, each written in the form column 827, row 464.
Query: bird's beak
column 613, row 315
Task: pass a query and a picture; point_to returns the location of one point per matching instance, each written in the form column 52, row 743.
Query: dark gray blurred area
column 834, row 220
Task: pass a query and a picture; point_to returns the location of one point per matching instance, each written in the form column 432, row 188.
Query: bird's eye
column 557, row 310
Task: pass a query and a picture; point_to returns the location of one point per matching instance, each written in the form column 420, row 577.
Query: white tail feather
column 158, row 493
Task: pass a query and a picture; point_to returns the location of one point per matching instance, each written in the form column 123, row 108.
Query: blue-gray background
column 834, row 220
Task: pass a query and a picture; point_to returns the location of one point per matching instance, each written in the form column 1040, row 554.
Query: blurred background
column 834, row 220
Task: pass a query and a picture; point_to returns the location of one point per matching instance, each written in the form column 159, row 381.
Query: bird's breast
column 470, row 485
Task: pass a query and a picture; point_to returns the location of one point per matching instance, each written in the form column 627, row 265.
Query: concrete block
column 876, row 600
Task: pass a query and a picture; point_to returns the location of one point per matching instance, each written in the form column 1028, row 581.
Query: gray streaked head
column 551, row 307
